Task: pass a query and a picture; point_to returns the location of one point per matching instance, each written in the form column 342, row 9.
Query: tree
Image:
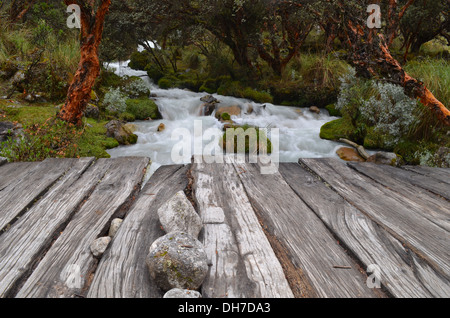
column 423, row 22
column 92, row 17
column 286, row 27
column 371, row 56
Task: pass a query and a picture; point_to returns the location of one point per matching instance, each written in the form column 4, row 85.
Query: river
column 298, row 128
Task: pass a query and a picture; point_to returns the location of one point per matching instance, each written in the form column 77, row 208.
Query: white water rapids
column 298, row 131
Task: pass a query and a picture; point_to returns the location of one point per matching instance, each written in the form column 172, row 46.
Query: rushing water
column 298, row 130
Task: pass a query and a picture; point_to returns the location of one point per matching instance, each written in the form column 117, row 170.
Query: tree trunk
column 79, row 93
column 371, row 56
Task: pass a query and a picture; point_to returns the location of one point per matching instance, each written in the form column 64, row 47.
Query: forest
column 380, row 66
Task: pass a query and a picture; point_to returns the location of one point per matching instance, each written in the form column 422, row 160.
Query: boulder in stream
column 116, row 129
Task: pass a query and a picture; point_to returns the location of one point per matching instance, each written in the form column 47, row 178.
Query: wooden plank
column 243, row 264
column 304, row 235
column 399, row 216
column 441, row 174
column 422, row 181
column 66, row 269
column 370, row 243
column 122, row 272
column 16, row 197
column 24, row 243
column 431, row 207
column 13, row 172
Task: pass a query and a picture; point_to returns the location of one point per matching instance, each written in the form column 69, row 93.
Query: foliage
column 115, row 101
column 435, row 73
column 93, row 142
column 136, row 88
column 142, row 109
column 54, row 138
column 390, row 111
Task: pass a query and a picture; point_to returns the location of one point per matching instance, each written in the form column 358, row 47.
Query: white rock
column 182, row 293
column 115, row 224
column 99, row 246
column 178, row 214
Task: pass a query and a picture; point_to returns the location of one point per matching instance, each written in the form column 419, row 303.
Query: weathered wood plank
column 400, row 217
column 13, row 172
column 364, row 238
column 441, row 174
column 17, row 196
column 431, row 207
column 243, row 263
column 304, row 235
column 419, row 180
column 67, row 267
column 122, row 272
column 23, row 244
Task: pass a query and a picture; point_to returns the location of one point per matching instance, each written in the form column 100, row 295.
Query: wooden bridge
column 319, row 228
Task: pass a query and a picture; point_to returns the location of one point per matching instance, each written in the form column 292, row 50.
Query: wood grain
column 13, row 172
column 400, row 216
column 410, row 177
column 431, row 207
column 441, row 174
column 310, row 244
column 243, row 263
column 23, row 244
column 18, row 195
column 370, row 243
column 66, row 269
column 122, row 272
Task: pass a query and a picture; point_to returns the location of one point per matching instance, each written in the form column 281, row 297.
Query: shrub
column 167, row 82
column 139, row 60
column 115, row 101
column 136, row 88
column 154, row 72
column 143, row 108
column 390, row 111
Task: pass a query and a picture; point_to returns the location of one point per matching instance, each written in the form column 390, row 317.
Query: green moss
column 373, row 140
column 257, row 96
column 26, row 114
column 333, row 111
column 339, row 128
column 127, row 117
column 143, row 108
column 225, row 116
column 167, row 82
column 232, row 134
column 154, row 72
column 237, row 89
column 93, row 142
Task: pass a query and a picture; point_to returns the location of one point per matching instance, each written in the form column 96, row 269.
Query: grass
column 435, row 73
column 53, row 140
column 26, row 113
column 324, row 70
